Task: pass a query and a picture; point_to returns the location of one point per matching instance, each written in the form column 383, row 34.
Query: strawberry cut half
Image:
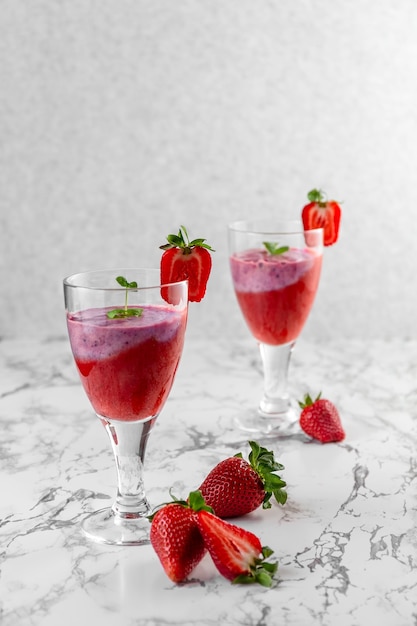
column 322, row 213
column 237, row 553
column 194, row 266
column 186, row 260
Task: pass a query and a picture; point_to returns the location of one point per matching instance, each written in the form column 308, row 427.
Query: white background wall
column 122, row 119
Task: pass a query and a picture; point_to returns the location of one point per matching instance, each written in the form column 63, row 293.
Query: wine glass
column 126, row 339
column 275, row 267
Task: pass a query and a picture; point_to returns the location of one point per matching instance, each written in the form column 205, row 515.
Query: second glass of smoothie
column 275, row 268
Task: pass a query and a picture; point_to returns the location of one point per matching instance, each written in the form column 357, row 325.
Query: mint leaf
column 123, row 283
column 119, row 313
column 274, row 248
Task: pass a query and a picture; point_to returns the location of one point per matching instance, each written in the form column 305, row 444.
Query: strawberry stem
column 317, row 195
column 261, row 571
column 182, row 241
column 195, row 502
column 308, row 401
column 264, row 463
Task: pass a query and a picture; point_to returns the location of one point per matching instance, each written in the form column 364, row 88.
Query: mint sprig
column 122, row 313
column 274, row 248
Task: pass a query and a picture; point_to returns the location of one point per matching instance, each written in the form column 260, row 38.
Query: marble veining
column 346, row 540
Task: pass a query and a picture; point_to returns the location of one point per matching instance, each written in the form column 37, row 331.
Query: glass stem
column 275, row 361
column 128, row 440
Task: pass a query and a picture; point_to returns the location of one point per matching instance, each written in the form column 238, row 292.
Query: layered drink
column 127, row 366
column 276, row 291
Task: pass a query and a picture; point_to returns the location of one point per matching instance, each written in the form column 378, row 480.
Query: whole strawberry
column 237, row 553
column 322, row 213
column 176, row 538
column 236, row 487
column 320, row 419
column 184, row 259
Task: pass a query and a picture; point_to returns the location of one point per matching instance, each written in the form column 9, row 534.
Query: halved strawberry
column 184, row 259
column 322, row 213
column 320, row 419
column 237, row 553
column 176, row 537
column 236, row 487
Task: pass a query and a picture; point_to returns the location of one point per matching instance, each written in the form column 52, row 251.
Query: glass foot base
column 105, row 526
column 275, row 425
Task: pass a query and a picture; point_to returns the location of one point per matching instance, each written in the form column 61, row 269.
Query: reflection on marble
column 346, row 540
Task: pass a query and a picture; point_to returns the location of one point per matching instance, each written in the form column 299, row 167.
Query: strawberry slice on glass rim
column 186, row 260
column 322, row 213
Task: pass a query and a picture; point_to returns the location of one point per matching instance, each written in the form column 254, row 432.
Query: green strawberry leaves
column 261, row 572
column 264, row 463
column 181, row 240
column 317, row 195
column 195, row 502
column 308, row 400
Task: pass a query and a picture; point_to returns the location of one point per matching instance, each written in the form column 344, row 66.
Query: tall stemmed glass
column 275, row 267
column 126, row 332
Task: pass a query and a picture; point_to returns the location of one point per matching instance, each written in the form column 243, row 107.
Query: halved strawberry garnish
column 236, row 552
column 184, row 259
column 322, row 213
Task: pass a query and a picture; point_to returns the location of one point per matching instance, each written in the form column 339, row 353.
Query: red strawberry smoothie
column 127, row 366
column 276, row 292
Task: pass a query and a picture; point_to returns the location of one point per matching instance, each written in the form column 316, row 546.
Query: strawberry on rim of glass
column 186, row 260
column 322, row 213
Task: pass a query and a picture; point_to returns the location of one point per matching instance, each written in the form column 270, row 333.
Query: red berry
column 236, row 487
column 237, row 553
column 183, row 259
column 322, row 213
column 177, row 540
column 320, row 419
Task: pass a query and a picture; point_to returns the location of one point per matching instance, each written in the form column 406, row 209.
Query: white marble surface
column 346, row 540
